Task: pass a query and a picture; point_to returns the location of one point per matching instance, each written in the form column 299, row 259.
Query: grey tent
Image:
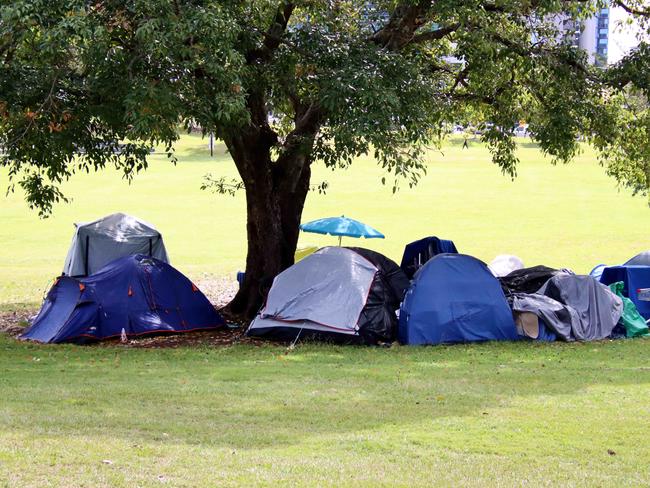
column 641, row 259
column 597, row 308
column 339, row 294
column 97, row 243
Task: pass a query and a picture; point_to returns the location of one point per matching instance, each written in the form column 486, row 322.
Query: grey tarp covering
column 560, row 318
column 97, row 243
column 597, row 307
column 327, row 289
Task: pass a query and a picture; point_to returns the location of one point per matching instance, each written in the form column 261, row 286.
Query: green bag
column 634, row 324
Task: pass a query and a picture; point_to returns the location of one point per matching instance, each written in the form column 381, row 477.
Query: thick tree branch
column 404, row 21
column 279, row 25
column 434, row 35
column 273, row 35
column 632, row 10
column 538, row 49
column 460, row 79
column 295, row 151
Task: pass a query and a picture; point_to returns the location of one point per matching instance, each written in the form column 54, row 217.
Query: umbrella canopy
column 341, row 226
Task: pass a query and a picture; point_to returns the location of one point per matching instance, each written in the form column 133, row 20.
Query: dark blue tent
column 419, row 252
column 455, row 298
column 636, row 280
column 139, row 294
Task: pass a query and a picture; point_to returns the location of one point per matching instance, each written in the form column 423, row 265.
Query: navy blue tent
column 636, row 280
column 455, row 298
column 419, row 252
column 139, row 294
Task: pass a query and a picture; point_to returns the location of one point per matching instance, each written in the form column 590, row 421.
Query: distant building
column 606, row 37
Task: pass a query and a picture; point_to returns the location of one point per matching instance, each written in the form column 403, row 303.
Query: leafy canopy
column 85, row 84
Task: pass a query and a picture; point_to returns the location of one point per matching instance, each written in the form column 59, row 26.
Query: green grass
column 507, row 414
column 570, row 216
column 513, row 414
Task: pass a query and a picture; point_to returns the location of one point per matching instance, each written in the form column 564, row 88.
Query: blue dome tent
column 137, row 293
column 454, row 298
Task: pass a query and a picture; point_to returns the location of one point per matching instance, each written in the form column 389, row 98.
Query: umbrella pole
column 340, row 240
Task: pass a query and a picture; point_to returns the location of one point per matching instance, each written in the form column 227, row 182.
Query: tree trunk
column 274, row 204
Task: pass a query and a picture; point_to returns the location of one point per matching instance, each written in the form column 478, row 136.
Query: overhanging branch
column 434, row 35
column 273, row 35
column 633, row 10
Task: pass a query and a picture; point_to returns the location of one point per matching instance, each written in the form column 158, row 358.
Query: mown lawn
column 514, row 414
column 567, row 216
column 507, row 414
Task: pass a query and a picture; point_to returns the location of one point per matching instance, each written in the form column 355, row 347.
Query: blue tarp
column 139, row 294
column 419, row 252
column 546, row 334
column 636, row 281
column 455, row 298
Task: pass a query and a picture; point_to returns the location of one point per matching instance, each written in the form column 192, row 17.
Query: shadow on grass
column 528, row 145
column 475, row 142
column 250, row 398
column 202, row 153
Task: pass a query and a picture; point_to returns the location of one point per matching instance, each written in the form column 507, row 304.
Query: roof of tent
column 641, row 259
column 455, row 298
column 139, row 294
column 396, row 280
column 97, row 243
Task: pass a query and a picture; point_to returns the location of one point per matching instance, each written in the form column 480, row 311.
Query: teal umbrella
column 341, row 226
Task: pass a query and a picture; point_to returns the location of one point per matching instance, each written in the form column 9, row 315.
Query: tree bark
column 274, row 203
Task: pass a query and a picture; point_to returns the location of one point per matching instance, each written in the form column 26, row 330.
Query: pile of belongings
column 549, row 303
column 337, row 294
column 572, row 307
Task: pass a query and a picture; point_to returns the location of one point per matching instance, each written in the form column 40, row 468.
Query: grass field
column 502, row 414
column 569, row 216
column 509, row 414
